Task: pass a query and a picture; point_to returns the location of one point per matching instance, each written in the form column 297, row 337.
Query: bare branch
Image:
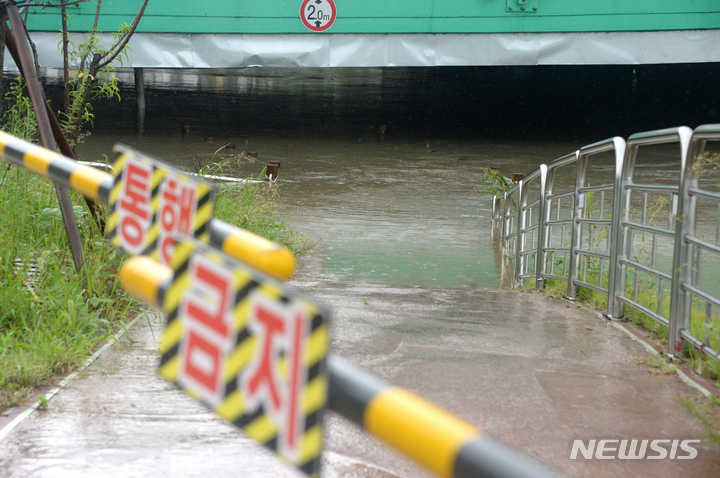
column 34, row 53
column 97, row 15
column 63, row 4
column 65, row 53
column 120, row 45
column 94, row 31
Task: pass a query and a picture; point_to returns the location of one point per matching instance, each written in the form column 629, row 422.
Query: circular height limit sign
column 318, row 15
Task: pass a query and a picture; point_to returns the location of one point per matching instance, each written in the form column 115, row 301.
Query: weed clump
column 48, row 321
column 252, row 204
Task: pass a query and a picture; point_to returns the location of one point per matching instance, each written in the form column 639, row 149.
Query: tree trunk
column 3, row 21
column 65, row 53
column 27, row 68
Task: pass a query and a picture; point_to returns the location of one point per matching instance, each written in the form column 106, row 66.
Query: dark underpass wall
column 560, row 102
column 585, row 103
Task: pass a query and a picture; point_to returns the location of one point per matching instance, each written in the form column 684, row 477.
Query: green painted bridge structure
column 242, row 33
column 396, row 16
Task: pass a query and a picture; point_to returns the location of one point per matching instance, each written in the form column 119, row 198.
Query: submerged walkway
column 535, row 372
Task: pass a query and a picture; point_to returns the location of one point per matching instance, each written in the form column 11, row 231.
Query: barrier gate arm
column 429, row 435
column 267, row 256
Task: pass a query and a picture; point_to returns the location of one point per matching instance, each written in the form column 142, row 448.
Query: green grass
column 494, row 183
column 48, row 323
column 706, row 329
column 253, row 205
column 707, row 413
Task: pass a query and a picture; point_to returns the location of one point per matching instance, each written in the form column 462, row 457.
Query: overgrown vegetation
column 17, row 118
column 707, row 413
column 86, row 87
column 253, row 205
column 494, row 182
column 48, row 324
column 705, row 162
column 94, row 70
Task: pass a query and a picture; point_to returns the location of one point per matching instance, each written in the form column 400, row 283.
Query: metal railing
column 592, row 227
column 647, row 214
column 556, row 230
column 531, row 209
column 640, row 239
column 694, row 302
column 510, row 219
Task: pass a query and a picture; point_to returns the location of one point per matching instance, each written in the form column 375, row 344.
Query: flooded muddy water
column 393, row 211
column 397, row 208
column 404, row 259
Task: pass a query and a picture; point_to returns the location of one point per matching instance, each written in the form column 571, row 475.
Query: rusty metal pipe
column 55, row 126
column 27, row 68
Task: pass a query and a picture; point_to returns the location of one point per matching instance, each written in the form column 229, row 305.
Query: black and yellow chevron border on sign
column 244, row 348
column 159, row 173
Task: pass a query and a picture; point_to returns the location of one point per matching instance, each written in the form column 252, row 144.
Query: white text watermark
column 634, row 449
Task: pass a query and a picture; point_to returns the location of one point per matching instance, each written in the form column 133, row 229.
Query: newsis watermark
column 634, row 449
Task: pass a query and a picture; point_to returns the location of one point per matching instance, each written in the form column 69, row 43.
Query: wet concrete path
column 534, row 380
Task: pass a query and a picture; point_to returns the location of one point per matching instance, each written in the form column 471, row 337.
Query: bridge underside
column 175, row 50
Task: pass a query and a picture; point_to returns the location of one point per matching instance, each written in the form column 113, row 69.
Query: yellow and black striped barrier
column 267, row 256
column 429, row 435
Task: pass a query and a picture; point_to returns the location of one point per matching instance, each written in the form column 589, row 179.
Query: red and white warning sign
column 318, row 15
column 133, row 206
column 276, row 331
column 205, row 311
column 281, row 333
column 151, row 203
column 249, row 348
column 178, row 208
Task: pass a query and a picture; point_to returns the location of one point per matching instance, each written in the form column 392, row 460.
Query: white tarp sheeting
column 339, row 50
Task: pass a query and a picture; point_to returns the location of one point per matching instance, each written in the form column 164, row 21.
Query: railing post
column 578, row 207
column 505, row 218
column 684, row 224
column 140, row 95
column 495, row 209
column 520, row 237
column 541, row 241
column 616, row 270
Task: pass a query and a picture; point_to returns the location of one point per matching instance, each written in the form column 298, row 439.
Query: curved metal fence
column 531, row 209
column 556, row 229
column 641, row 225
column 594, row 216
